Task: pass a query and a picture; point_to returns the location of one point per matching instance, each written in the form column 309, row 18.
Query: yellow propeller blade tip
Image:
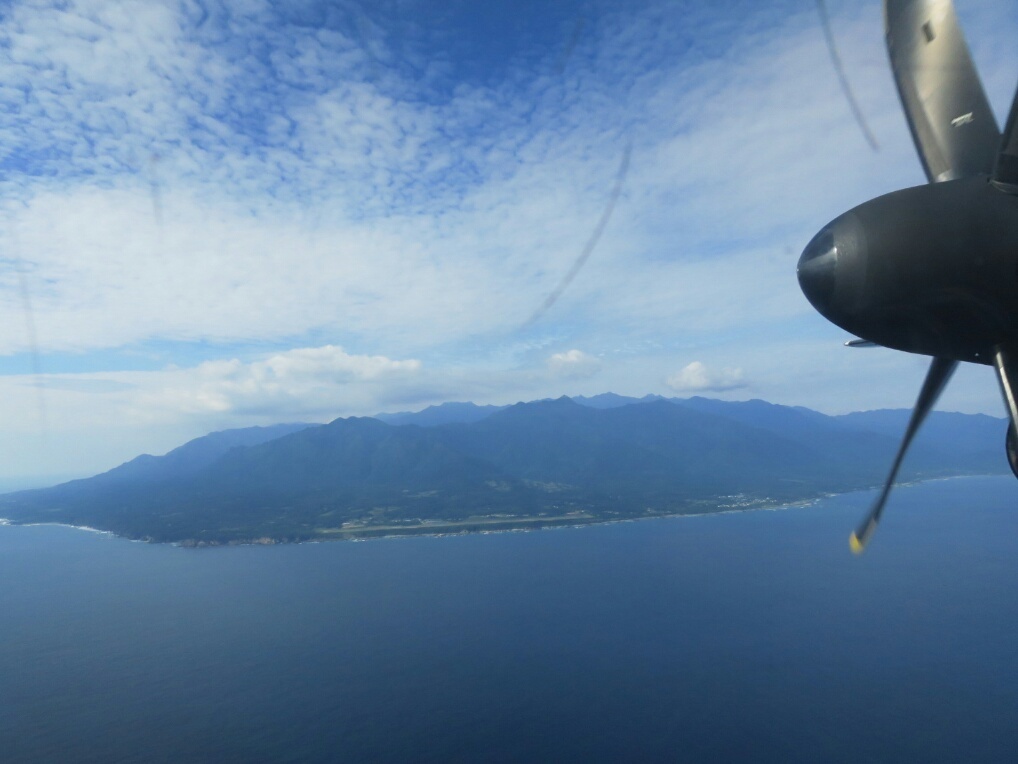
column 855, row 544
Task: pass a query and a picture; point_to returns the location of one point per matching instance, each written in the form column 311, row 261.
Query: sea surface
column 750, row 636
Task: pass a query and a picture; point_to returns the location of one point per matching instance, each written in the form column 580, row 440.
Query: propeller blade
column 1006, row 364
column 937, row 377
column 1005, row 172
column 839, row 70
column 606, row 215
column 952, row 124
column 861, row 344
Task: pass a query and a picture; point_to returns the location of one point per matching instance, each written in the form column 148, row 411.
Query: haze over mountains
column 464, row 467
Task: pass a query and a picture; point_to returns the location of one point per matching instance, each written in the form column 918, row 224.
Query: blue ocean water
column 754, row 636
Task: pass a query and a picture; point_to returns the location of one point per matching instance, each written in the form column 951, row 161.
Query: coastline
column 479, row 526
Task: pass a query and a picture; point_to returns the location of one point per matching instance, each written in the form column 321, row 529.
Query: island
column 464, row 468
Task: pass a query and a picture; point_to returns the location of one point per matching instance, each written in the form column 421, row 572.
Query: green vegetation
column 526, row 466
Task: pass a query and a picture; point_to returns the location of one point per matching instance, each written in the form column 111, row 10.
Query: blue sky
column 231, row 213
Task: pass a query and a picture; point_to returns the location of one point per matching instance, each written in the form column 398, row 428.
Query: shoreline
column 521, row 525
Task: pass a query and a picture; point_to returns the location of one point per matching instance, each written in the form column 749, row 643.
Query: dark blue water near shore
column 753, row 637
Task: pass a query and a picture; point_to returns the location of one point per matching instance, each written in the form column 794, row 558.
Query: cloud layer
column 172, row 183
column 308, row 380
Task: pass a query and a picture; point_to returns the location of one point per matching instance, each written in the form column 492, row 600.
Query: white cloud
column 573, row 364
column 364, row 211
column 305, row 380
column 696, row 377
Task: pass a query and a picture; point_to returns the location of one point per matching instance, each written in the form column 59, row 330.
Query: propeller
column 936, row 380
column 839, row 70
column 952, row 124
column 588, row 248
column 956, row 136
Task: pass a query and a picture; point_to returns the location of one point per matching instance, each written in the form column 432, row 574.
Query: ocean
column 751, row 636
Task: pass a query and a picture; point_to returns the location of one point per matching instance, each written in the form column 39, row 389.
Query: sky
column 223, row 214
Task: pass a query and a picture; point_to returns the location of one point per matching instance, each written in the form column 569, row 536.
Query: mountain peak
column 551, row 459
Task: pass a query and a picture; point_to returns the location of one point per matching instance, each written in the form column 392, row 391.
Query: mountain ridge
column 545, row 462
